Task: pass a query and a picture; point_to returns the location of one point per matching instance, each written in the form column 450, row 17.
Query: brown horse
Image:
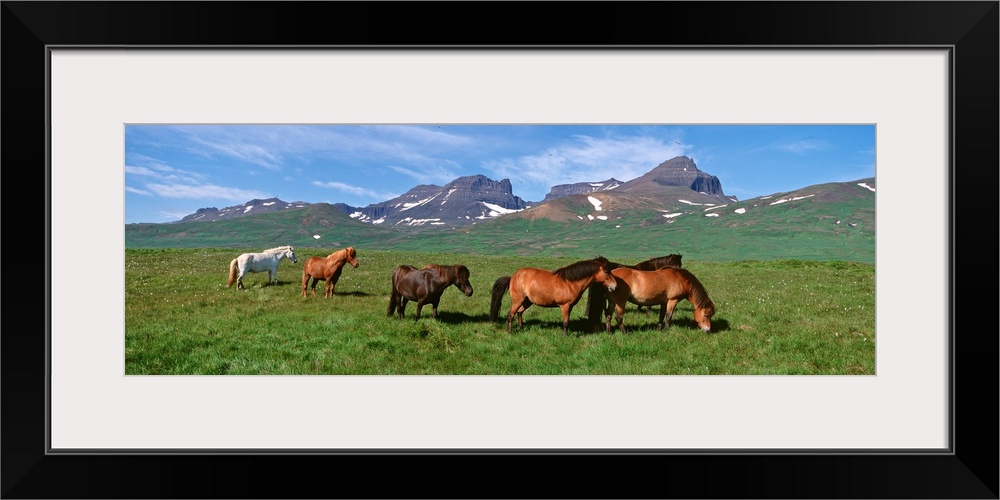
column 666, row 286
column 597, row 299
column 327, row 269
column 425, row 286
column 561, row 288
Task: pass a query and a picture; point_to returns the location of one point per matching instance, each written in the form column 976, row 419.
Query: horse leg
column 565, row 317
column 515, row 308
column 520, row 311
column 402, row 306
column 239, row 280
column 329, row 288
column 510, row 320
column 434, row 304
column 619, row 316
column 667, row 312
column 420, row 305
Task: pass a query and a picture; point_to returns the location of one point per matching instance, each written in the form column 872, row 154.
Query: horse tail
column 500, row 287
column 394, row 296
column 232, row 273
column 393, row 301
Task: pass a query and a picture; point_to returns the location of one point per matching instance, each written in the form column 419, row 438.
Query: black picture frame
column 969, row 28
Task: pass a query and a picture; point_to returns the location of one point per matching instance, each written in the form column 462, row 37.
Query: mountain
column 833, row 221
column 673, row 208
column 252, row 207
column 463, row 201
column 561, row 190
column 681, row 172
column 472, row 199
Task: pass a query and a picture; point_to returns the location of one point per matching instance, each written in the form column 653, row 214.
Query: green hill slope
column 801, row 224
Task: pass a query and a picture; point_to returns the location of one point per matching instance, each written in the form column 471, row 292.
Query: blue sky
column 173, row 170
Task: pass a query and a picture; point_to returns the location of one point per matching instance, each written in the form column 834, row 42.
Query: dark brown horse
column 425, row 286
column 597, row 299
column 561, row 288
column 327, row 269
column 666, row 286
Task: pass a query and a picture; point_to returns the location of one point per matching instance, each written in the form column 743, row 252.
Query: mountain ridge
column 471, row 199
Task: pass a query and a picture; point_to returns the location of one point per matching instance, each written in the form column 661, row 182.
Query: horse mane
column 277, row 249
column 672, row 260
column 347, row 252
column 449, row 272
column 697, row 295
column 583, row 269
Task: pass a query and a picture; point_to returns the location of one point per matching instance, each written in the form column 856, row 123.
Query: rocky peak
column 680, row 171
column 465, row 200
column 562, row 190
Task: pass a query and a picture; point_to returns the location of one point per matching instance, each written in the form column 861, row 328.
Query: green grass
column 774, row 318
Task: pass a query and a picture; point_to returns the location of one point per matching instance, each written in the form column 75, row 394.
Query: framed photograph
column 927, row 88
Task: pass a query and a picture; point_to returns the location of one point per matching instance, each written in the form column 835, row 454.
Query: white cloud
column 589, row 159
column 434, row 174
column 802, row 145
column 350, row 189
column 205, row 191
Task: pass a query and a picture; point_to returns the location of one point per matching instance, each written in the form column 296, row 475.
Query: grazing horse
column 597, row 299
column 561, row 288
column 257, row 263
column 666, row 286
column 425, row 286
column 327, row 269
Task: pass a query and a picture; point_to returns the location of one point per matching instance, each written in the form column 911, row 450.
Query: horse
column 597, row 300
column 257, row 263
column 425, row 286
column 666, row 286
column 561, row 288
column 327, row 269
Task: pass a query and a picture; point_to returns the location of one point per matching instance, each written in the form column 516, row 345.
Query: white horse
column 257, row 263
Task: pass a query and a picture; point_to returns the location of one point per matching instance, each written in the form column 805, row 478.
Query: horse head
column 604, row 275
column 462, row 280
column 290, row 253
column 703, row 316
column 674, row 259
column 352, row 257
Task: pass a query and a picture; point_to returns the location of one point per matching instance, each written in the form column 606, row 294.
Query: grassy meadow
column 778, row 317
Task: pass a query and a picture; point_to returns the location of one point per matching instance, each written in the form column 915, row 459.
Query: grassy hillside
column 756, row 229
column 297, row 227
column 795, row 225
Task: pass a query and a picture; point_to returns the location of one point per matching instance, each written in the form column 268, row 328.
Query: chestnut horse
column 425, row 286
column 327, row 269
column 666, row 286
column 597, row 299
column 561, row 288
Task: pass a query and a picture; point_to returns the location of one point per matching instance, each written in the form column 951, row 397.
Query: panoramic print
column 442, row 249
